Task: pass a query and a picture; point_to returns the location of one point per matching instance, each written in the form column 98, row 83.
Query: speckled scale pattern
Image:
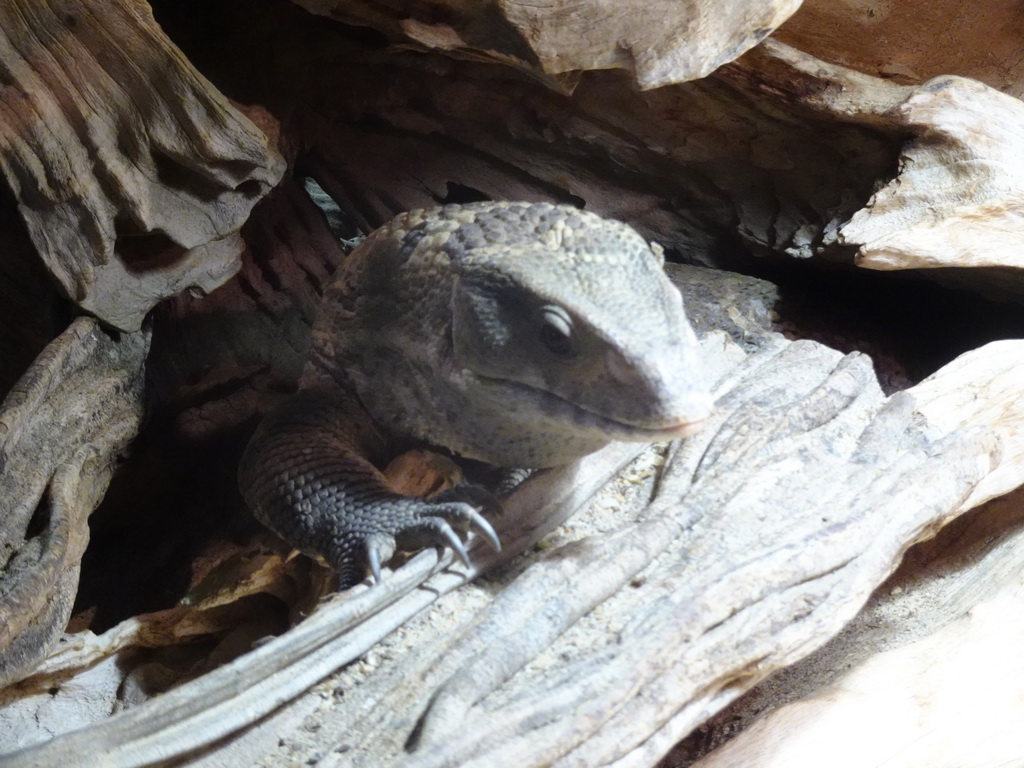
column 580, row 255
column 573, row 236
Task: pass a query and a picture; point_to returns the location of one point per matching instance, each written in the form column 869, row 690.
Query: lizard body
column 518, row 334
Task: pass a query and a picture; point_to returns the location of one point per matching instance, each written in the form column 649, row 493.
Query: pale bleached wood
column 958, row 198
column 930, row 671
column 986, row 386
column 952, row 699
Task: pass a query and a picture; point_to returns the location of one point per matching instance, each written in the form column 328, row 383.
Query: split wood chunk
column 928, row 668
column 712, row 167
column 132, row 172
column 957, row 196
column 911, row 41
column 62, row 428
column 232, row 698
column 958, row 199
column 952, row 699
column 983, row 386
column 661, row 42
column 737, row 160
column 766, row 537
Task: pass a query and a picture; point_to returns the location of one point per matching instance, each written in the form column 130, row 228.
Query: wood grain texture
column 912, row 41
column 132, row 173
column 659, row 43
column 930, row 669
column 609, row 648
column 62, row 428
column 958, row 198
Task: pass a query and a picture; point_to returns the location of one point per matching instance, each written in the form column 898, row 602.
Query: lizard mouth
column 558, row 408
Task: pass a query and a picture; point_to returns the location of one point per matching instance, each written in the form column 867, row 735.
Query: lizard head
column 567, row 320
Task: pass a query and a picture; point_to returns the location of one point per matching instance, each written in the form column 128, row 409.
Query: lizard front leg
column 308, row 474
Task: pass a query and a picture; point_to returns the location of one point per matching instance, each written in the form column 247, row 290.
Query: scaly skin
column 522, row 335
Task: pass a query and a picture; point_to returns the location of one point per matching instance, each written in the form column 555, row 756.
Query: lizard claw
column 416, row 523
column 487, row 531
column 373, row 560
column 471, row 500
column 434, row 529
column 454, row 543
column 439, row 517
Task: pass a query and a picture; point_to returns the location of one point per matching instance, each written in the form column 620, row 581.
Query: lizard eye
column 556, row 331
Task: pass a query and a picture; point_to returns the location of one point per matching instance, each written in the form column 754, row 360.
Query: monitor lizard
column 518, row 334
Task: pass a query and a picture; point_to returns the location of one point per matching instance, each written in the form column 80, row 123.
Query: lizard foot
column 434, row 521
column 424, row 522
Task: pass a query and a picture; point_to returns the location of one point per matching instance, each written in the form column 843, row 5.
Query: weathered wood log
column 766, row 179
column 930, row 669
column 957, row 200
column 62, row 429
column 676, row 599
column 658, row 43
column 912, row 41
column 131, row 171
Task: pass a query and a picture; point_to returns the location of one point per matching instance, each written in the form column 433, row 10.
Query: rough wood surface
column 659, row 43
column 654, row 623
column 930, row 668
column 236, row 695
column 911, row 41
column 131, row 171
column 62, row 428
column 957, row 199
column 764, row 179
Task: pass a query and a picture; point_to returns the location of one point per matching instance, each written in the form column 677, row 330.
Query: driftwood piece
column 659, row 43
column 62, row 429
column 921, row 667
column 774, row 153
column 957, row 200
column 985, row 385
column 131, row 171
column 766, row 179
column 701, row 624
column 931, row 669
column 608, row 649
column 911, row 41
column 233, row 697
